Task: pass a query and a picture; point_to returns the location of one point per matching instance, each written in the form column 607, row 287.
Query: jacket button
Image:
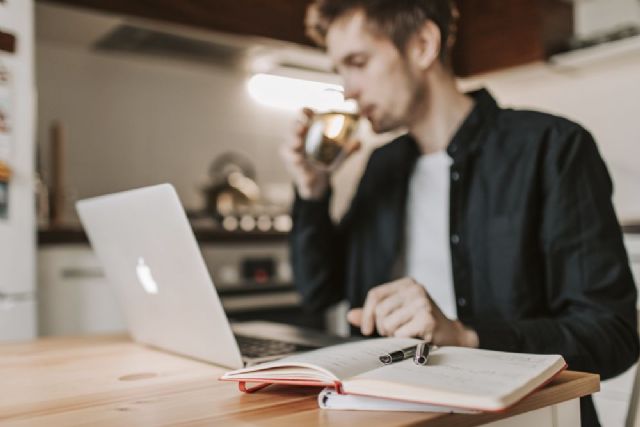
column 462, row 302
column 455, row 176
column 455, row 239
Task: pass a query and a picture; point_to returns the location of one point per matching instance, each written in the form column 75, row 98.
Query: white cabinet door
column 17, row 320
column 74, row 297
column 632, row 242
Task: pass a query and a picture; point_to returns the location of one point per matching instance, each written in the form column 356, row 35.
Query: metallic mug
column 328, row 135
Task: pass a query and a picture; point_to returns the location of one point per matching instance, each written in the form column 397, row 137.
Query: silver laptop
column 149, row 253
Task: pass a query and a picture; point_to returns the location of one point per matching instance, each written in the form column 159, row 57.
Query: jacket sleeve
column 316, row 251
column 319, row 248
column 590, row 291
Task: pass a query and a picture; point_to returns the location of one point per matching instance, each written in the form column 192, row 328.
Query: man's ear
column 424, row 46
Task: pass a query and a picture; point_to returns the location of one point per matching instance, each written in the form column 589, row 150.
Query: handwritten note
column 462, row 372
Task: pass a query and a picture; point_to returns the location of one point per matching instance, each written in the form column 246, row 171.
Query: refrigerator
column 17, row 163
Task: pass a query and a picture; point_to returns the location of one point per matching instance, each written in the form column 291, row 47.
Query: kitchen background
column 127, row 99
column 166, row 116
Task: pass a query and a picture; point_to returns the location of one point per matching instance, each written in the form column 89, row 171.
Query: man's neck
column 441, row 115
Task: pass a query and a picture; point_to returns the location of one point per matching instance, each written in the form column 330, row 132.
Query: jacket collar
column 465, row 139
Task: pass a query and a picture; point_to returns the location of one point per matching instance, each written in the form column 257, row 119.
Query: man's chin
column 379, row 128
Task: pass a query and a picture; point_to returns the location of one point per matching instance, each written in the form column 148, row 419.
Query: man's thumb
column 354, row 316
column 353, row 147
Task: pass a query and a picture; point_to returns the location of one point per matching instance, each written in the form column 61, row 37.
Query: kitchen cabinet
column 17, row 319
column 74, row 297
column 492, row 34
column 632, row 243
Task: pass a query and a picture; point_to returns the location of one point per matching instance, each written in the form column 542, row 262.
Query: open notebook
column 454, row 377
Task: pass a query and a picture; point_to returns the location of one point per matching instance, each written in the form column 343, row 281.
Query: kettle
column 232, row 189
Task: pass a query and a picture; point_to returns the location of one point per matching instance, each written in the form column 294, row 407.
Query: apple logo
column 145, row 278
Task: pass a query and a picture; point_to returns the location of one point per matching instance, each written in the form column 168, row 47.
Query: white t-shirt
column 427, row 251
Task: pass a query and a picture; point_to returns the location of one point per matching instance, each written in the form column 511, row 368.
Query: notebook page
column 337, row 361
column 455, row 372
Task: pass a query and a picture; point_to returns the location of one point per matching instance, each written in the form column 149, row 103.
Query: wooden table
column 110, row 381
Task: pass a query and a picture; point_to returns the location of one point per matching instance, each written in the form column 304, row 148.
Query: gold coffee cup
column 328, row 135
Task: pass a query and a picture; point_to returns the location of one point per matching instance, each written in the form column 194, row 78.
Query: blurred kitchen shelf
column 253, row 289
column 631, row 227
column 75, row 235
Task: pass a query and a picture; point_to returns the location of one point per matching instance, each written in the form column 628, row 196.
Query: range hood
column 135, row 39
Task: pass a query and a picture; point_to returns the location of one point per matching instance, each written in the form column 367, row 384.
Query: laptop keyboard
column 260, row 347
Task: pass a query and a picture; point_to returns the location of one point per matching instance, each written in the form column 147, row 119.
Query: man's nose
column 351, row 91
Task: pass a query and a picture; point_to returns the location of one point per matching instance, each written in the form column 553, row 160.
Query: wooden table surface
column 110, row 381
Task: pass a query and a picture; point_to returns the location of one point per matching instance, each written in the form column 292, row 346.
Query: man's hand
column 403, row 308
column 311, row 181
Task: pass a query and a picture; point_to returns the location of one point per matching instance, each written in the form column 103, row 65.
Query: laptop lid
column 150, row 255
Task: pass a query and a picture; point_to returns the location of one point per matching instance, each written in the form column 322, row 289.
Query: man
column 480, row 227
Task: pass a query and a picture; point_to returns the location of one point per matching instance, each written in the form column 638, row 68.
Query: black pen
column 397, row 356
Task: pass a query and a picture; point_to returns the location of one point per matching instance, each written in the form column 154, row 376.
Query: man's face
column 384, row 84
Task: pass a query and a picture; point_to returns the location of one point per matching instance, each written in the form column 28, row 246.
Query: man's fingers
column 384, row 309
column 297, row 139
column 397, row 319
column 368, row 313
column 401, row 308
column 422, row 323
column 368, row 318
column 352, row 147
column 411, row 329
column 308, row 112
column 301, row 131
column 302, row 122
column 375, row 297
column 292, row 157
column 354, row 316
column 347, row 151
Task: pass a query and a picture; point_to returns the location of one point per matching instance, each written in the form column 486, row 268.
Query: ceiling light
column 292, row 93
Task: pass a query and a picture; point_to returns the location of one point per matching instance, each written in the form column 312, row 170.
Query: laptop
column 149, row 253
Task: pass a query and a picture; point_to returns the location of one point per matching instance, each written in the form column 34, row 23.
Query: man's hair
column 396, row 19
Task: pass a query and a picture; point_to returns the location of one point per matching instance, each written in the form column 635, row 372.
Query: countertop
column 74, row 234
column 110, row 381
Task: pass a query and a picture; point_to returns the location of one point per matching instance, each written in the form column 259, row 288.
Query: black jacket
column 537, row 255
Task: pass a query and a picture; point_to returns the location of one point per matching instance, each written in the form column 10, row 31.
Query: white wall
column 593, row 17
column 17, row 234
column 133, row 121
